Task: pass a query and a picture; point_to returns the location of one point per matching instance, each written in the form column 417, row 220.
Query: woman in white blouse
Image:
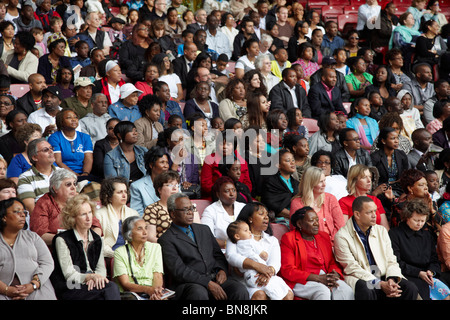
column 218, row 215
column 228, row 27
column 247, row 62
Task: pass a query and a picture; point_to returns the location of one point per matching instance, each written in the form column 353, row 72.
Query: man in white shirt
column 216, row 39
column 46, row 116
column 368, row 14
column 94, row 123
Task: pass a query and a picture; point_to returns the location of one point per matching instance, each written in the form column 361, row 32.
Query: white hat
column 127, row 89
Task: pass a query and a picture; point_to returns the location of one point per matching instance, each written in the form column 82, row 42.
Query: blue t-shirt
column 17, row 166
column 72, row 151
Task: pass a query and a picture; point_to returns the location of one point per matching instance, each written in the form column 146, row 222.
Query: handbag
column 193, row 192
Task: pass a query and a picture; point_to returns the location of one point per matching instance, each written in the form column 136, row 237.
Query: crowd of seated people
column 136, row 113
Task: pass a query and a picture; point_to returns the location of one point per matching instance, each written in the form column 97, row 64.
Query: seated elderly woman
column 218, row 215
column 81, row 266
column 26, row 261
column 308, row 264
column 114, row 196
column 46, row 217
column 415, row 248
column 73, row 149
column 126, row 107
column 81, row 102
column 138, row 265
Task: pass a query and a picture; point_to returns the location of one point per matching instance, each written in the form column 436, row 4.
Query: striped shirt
column 33, row 184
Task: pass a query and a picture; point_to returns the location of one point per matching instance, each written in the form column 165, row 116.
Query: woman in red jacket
column 226, row 152
column 308, row 264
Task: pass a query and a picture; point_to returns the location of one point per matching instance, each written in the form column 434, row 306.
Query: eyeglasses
column 170, row 185
column 6, row 104
column 354, row 140
column 187, row 210
column 46, row 149
column 70, row 184
column 327, row 163
column 20, row 212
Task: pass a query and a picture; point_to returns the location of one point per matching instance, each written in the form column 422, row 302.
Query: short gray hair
column 171, row 206
column 32, row 148
column 260, row 59
column 128, row 226
column 58, row 177
column 96, row 95
column 266, row 38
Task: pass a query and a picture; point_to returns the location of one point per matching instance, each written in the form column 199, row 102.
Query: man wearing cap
column 46, row 116
column 116, row 33
column 80, row 103
column 94, row 123
column 126, row 108
column 330, row 62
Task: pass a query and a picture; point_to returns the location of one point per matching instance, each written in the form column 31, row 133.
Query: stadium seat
column 278, row 230
column 317, row 5
column 404, row 3
column 182, row 104
column 18, row 90
column 401, row 10
column 357, row 3
column 201, row 204
column 331, row 12
column 350, row 10
column 347, row 22
column 339, row 3
column 230, row 66
column 347, row 106
column 114, row 11
column 311, row 125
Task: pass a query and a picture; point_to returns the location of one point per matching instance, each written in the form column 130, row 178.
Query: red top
column 346, row 206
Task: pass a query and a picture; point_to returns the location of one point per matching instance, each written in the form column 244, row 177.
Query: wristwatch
column 34, row 286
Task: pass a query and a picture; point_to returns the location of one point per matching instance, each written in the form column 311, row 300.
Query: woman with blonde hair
column 359, row 183
column 311, row 192
column 80, row 271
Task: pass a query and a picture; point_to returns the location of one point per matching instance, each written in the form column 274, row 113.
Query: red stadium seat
column 311, row 125
column 357, row 2
column 347, row 22
column 182, row 104
column 351, row 9
column 18, row 90
column 331, row 12
column 114, row 11
column 278, row 230
column 201, row 205
column 401, row 10
column 339, row 2
column 403, row 3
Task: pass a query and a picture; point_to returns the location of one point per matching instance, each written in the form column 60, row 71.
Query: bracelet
column 6, row 291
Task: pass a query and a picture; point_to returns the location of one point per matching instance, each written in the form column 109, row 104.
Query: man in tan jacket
column 364, row 250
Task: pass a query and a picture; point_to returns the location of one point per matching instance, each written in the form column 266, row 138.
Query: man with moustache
column 32, row 100
column 197, row 268
column 46, row 116
column 94, row 123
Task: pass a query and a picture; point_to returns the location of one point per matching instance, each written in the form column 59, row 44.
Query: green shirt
column 144, row 274
column 74, row 104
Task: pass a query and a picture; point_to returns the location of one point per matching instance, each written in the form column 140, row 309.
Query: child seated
column 377, row 109
column 239, row 233
column 38, row 34
column 221, row 64
column 295, row 120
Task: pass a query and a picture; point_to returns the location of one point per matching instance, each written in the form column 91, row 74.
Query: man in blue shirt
column 331, row 41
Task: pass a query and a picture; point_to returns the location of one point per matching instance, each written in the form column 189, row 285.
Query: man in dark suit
column 419, row 157
column 324, row 96
column 330, row 62
column 282, row 94
column 200, row 21
column 183, row 64
column 193, row 259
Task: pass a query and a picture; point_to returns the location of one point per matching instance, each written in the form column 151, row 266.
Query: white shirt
column 217, row 219
column 365, row 14
column 351, row 161
column 42, row 118
column 172, row 80
column 294, row 96
column 114, row 93
column 337, row 186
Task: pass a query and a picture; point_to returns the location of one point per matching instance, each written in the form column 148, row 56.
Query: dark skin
column 309, row 227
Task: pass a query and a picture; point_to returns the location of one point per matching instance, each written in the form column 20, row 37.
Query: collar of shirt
column 365, row 241
column 351, row 161
column 328, row 89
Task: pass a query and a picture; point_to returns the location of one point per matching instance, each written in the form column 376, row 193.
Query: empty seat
column 201, row 204
column 18, row 90
column 311, row 125
column 347, row 22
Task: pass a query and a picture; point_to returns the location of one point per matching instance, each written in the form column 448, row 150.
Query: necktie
column 190, row 234
column 190, row 65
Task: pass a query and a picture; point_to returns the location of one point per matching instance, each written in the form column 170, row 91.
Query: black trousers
column 109, row 292
column 365, row 291
column 192, row 291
